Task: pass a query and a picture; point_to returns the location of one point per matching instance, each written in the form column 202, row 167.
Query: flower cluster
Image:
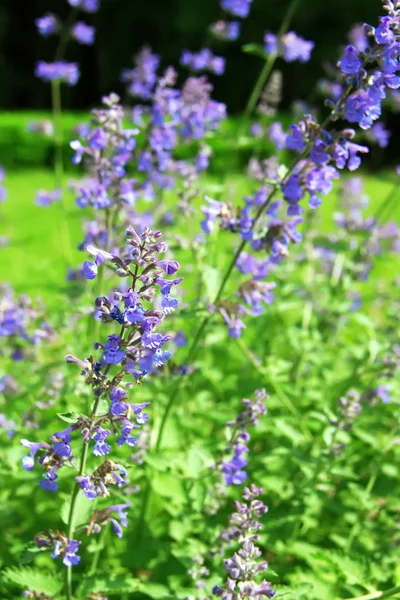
column 226, row 30
column 142, row 78
column 272, row 233
column 233, row 469
column 60, row 545
column 21, row 323
column 290, row 46
column 106, row 149
column 135, row 351
column 60, row 70
column 101, row 517
column 244, row 568
column 364, row 235
column 173, row 117
column 204, row 60
column 49, row 24
column 7, row 425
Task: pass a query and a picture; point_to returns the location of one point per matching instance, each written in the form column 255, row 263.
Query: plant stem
column 269, row 63
column 75, row 491
column 71, row 517
column 93, row 325
column 59, row 166
column 387, row 594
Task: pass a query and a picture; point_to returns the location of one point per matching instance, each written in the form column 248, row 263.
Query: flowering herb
column 243, row 568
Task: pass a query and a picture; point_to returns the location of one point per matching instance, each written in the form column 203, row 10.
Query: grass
column 35, row 262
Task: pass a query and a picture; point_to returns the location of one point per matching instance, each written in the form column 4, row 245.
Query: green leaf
column 212, row 281
column 154, row 590
column 117, row 584
column 255, row 50
column 34, row 580
column 30, row 553
column 83, row 510
column 168, row 486
column 69, row 417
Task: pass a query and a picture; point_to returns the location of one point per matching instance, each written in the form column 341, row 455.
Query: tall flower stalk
column 132, row 353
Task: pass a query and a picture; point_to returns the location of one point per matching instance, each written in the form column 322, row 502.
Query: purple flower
column 122, row 515
column 379, row 134
column 271, row 43
column 113, row 354
column 90, row 269
column 165, row 285
column 295, row 47
column 46, row 25
column 383, row 393
column 118, row 398
column 90, row 6
column 295, row 140
column 49, row 483
column 101, row 448
column 238, row 8
column 363, row 108
column 383, row 33
column 277, row 135
column 143, row 76
column 170, row 267
column 350, row 63
column 70, row 557
column 358, row 38
column 203, row 61
column 97, row 139
column 84, row 34
column 45, row 198
column 292, row 189
column 28, row 462
column 226, row 30
column 59, row 71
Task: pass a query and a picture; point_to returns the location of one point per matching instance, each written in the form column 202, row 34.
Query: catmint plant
column 234, row 468
column 22, row 325
column 244, row 568
column 137, row 349
column 321, row 155
column 61, row 71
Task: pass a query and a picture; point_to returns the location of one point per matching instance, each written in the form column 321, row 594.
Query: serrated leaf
column 34, row 580
column 118, row 584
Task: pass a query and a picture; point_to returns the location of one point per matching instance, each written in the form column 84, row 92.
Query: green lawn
column 35, row 261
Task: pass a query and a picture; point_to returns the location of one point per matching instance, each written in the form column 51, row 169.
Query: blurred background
column 123, row 26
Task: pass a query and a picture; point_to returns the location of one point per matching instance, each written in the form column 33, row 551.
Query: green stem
column 269, row 64
column 74, row 497
column 59, row 166
column 58, row 131
column 93, row 325
column 387, row 594
column 96, row 556
column 71, row 517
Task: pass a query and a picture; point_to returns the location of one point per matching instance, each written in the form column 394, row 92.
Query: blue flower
column 350, row 63
column 113, row 354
